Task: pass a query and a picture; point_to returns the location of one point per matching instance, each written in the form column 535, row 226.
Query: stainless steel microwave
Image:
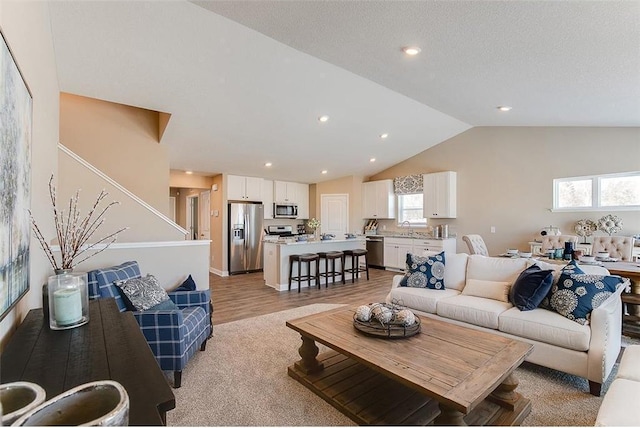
column 285, row 210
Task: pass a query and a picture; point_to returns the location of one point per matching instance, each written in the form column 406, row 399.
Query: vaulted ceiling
column 246, row 81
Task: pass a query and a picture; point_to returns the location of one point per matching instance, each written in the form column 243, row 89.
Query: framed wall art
column 16, row 112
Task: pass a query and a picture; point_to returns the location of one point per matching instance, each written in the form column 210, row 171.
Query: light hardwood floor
column 244, row 296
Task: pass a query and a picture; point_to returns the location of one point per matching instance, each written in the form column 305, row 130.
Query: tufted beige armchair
column 619, row 247
column 550, row 242
column 476, row 245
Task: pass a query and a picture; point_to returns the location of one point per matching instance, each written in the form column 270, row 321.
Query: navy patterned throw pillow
column 571, row 268
column 576, row 295
column 424, row 272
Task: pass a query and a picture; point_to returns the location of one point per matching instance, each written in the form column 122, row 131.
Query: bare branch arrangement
column 73, row 233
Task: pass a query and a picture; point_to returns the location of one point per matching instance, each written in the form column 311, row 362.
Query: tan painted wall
column 186, row 185
column 350, row 185
column 27, row 31
column 505, row 177
column 121, row 141
column 144, row 225
column 181, row 179
column 181, row 203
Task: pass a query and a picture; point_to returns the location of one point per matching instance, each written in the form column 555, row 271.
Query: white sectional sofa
column 588, row 351
column 618, row 408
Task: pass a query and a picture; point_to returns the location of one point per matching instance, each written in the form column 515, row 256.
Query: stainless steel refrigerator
column 245, row 237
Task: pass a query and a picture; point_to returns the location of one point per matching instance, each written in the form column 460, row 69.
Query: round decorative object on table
column 406, row 317
column 363, row 313
column 399, row 322
column 382, row 313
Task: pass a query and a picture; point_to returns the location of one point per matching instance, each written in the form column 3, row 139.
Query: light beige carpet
column 241, row 380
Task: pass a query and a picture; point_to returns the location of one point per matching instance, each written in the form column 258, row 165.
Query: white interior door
column 334, row 214
column 172, row 208
column 192, row 216
column 205, row 215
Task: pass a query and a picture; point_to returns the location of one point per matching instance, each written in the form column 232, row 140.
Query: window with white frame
column 410, row 208
column 595, row 192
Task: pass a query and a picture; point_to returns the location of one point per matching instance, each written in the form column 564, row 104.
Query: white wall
column 26, row 28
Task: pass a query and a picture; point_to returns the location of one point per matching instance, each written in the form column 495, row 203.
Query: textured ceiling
column 246, row 81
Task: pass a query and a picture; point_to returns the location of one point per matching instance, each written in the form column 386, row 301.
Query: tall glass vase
column 68, row 300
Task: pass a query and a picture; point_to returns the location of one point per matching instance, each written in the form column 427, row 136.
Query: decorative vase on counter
column 68, row 299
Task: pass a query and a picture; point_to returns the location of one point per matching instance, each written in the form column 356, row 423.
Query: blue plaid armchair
column 172, row 335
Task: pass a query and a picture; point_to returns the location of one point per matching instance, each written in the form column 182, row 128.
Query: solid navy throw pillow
column 531, row 287
column 188, row 285
column 424, row 272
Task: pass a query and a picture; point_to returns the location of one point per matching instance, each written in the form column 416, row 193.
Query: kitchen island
column 276, row 259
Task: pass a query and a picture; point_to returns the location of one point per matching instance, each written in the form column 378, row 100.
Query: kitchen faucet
column 410, row 231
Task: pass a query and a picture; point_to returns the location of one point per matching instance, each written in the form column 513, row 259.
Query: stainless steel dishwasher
column 375, row 250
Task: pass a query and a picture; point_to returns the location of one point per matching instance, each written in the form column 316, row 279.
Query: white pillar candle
column 67, row 306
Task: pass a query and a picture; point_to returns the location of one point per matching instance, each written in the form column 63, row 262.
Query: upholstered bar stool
column 355, row 268
column 330, row 256
column 306, row 258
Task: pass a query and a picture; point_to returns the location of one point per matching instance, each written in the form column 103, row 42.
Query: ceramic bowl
column 525, row 255
column 587, row 259
column 602, row 255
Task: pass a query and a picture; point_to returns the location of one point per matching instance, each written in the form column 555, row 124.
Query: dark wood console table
column 110, row 346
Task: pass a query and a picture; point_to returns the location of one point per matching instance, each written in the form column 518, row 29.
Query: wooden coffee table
column 446, row 374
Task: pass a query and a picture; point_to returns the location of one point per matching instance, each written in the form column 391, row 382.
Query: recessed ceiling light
column 411, row 50
column 268, row 164
column 324, row 171
column 372, row 160
column 384, row 136
column 504, row 108
column 188, row 172
column 323, row 118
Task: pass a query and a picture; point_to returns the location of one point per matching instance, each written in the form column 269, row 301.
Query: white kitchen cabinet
column 241, row 188
column 267, row 198
column 302, row 199
column 448, row 245
column 395, row 252
column 285, row 191
column 290, row 192
column 378, row 200
column 396, row 249
column 440, row 194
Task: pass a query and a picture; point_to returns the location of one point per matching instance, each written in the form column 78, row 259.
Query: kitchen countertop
column 358, row 239
column 415, row 235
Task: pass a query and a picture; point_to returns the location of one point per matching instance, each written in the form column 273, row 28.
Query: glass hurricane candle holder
column 68, row 300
